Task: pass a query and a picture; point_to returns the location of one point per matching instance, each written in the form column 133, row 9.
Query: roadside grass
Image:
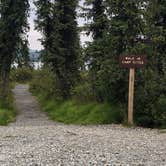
column 7, row 110
column 6, row 116
column 72, row 112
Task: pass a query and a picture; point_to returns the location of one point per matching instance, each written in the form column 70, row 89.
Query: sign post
column 131, row 96
column 132, row 62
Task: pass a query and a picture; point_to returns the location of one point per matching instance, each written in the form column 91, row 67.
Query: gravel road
column 34, row 140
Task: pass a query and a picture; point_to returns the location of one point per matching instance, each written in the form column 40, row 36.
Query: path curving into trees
column 29, row 113
column 34, row 140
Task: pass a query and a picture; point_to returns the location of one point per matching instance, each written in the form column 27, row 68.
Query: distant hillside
column 34, row 55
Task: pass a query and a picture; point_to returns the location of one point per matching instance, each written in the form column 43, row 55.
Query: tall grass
column 72, row 112
column 7, row 109
column 80, row 109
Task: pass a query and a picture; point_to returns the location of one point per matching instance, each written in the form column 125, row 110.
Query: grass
column 72, row 112
column 7, row 110
column 6, row 116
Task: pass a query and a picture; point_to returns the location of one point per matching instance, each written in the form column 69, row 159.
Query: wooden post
column 132, row 62
column 131, row 96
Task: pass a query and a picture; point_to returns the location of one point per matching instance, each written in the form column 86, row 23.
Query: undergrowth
column 72, row 112
column 7, row 109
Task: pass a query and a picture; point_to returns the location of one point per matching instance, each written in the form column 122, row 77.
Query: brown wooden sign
column 132, row 61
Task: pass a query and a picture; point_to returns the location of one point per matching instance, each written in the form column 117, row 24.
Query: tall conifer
column 57, row 21
column 13, row 23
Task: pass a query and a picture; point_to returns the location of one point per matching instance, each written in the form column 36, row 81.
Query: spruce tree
column 13, row 23
column 94, row 52
column 99, row 17
column 57, row 21
column 44, row 25
column 124, row 27
column 22, row 56
column 154, row 92
column 69, row 46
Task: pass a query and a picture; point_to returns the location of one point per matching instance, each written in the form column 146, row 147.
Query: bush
column 44, row 83
column 7, row 110
column 6, row 116
column 151, row 113
column 21, row 75
column 71, row 112
column 150, row 101
column 160, row 112
column 83, row 93
column 81, row 109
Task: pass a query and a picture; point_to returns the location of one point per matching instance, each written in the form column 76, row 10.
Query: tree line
column 117, row 27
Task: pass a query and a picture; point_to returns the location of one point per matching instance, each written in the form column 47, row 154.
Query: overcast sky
column 34, row 36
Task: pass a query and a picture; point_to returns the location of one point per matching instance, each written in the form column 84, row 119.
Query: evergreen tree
column 57, row 21
column 13, row 23
column 44, row 24
column 100, row 20
column 22, row 55
column 151, row 91
column 69, row 46
column 95, row 50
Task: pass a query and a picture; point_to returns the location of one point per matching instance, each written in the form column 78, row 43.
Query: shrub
column 151, row 113
column 160, row 112
column 44, row 82
column 71, row 112
column 21, row 75
column 7, row 110
column 83, row 93
column 80, row 109
column 7, row 116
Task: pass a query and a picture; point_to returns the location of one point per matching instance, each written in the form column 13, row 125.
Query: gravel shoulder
column 34, row 140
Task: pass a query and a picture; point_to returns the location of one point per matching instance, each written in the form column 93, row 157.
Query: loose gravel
column 34, row 140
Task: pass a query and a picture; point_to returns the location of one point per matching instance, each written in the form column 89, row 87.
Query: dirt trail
column 28, row 109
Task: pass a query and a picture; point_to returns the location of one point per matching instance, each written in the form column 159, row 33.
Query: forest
column 84, row 84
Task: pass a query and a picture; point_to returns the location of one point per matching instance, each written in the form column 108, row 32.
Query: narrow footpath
column 29, row 113
column 34, row 140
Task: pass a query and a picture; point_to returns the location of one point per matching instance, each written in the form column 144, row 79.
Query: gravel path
column 33, row 140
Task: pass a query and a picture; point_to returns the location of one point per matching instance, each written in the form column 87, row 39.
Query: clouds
column 33, row 38
column 33, row 35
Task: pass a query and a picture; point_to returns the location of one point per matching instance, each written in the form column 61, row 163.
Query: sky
column 34, row 36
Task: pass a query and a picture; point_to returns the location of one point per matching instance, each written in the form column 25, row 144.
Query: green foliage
column 117, row 27
column 98, row 15
column 13, row 23
column 21, row 75
column 127, row 22
column 89, row 113
column 160, row 112
column 22, row 55
column 7, row 110
column 6, row 116
column 57, row 21
column 83, row 91
column 82, row 109
column 44, row 82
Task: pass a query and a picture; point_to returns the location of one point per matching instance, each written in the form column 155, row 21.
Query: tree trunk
column 5, row 85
